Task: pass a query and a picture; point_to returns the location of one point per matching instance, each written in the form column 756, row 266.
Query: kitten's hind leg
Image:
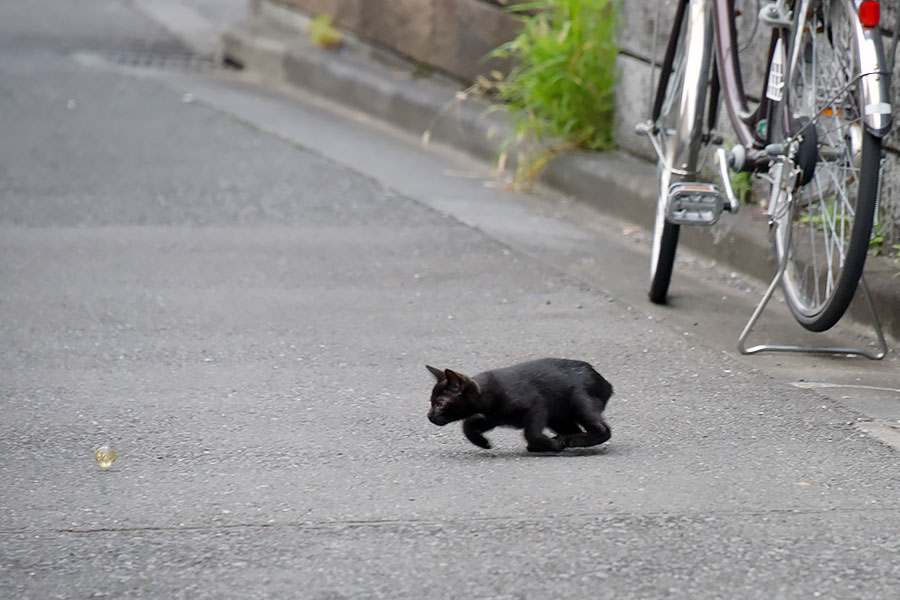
column 564, row 428
column 595, row 434
column 474, row 427
column 596, row 430
column 537, row 440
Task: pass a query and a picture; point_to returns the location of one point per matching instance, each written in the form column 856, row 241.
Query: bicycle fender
column 875, row 92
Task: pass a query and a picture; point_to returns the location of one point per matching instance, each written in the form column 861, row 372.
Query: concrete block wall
column 455, row 35
column 451, row 35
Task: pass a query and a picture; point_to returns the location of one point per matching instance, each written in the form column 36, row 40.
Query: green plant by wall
column 877, row 246
column 742, row 186
column 563, row 85
column 323, row 34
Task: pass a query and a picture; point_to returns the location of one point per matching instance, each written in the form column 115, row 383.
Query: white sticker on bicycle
column 775, row 86
column 878, row 108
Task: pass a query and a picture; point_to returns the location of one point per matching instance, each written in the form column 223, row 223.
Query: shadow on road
column 475, row 455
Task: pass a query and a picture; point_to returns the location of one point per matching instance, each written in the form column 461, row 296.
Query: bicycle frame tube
column 698, row 54
column 731, row 81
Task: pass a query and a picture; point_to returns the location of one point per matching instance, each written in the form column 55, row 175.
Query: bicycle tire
column 665, row 234
column 665, row 243
column 825, row 232
column 668, row 125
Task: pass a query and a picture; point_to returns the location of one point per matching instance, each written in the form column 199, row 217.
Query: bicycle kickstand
column 877, row 355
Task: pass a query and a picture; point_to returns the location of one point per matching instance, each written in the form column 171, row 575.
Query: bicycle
column 814, row 135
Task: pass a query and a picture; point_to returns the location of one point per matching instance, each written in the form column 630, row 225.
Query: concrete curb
column 621, row 185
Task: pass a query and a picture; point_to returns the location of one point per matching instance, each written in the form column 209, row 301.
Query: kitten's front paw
column 480, row 441
column 473, row 428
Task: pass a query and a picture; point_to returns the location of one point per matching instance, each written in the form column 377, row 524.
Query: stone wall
column 451, row 35
column 455, row 35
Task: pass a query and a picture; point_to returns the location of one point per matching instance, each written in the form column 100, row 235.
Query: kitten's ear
column 438, row 374
column 454, row 377
column 461, row 381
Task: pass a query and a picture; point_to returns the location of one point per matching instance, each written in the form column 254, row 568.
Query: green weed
column 827, row 214
column 323, row 34
column 742, row 186
column 877, row 246
column 562, row 88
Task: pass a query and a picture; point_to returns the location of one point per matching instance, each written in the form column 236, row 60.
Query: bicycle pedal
column 692, row 203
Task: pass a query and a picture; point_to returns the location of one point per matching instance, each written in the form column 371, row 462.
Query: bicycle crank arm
column 722, row 157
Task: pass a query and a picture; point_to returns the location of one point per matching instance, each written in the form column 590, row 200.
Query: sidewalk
column 384, row 87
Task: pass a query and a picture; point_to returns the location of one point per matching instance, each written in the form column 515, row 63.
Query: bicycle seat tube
column 696, row 81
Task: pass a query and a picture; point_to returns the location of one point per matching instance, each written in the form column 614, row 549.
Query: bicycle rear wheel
column 824, row 233
column 677, row 118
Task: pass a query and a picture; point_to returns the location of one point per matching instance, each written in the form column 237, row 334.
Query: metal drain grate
column 165, row 62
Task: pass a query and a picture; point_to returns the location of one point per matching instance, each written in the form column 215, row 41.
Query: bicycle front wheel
column 677, row 118
column 824, row 232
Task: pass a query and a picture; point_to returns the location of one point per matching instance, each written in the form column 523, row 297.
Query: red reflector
column 869, row 13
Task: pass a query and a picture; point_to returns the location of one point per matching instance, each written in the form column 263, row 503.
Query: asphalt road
column 238, row 290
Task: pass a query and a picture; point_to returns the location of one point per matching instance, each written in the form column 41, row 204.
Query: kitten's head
column 453, row 397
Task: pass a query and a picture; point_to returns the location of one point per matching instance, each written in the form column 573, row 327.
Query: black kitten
column 567, row 396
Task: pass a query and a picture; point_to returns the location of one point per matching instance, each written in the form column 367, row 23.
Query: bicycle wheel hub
column 807, row 152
